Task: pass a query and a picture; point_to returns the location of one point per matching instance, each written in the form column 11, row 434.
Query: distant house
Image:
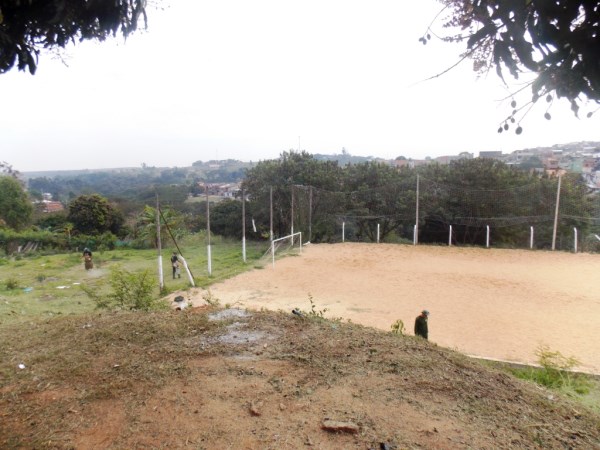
column 228, row 190
column 399, row 163
column 491, row 154
column 51, row 206
column 47, row 205
column 588, row 165
column 410, row 163
column 551, row 164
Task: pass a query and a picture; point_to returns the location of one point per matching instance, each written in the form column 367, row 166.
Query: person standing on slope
column 421, row 328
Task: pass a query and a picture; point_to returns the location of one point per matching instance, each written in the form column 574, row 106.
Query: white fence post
column 187, row 270
column 575, row 239
column 378, row 233
column 415, row 235
column 487, row 236
column 450, row 237
column 209, row 253
column 343, row 231
column 531, row 237
column 244, row 248
column 273, row 252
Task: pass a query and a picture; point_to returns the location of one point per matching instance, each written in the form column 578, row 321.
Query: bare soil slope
column 217, row 379
column 494, row 303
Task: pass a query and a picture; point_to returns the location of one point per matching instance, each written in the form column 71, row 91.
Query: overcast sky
column 248, row 80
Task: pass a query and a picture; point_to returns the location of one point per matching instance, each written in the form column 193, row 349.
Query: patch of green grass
column 56, row 280
column 555, row 372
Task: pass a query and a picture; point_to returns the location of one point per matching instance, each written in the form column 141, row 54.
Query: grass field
column 42, row 286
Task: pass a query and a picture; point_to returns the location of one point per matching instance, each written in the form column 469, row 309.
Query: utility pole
column 208, row 252
column 556, row 213
column 271, row 214
column 161, row 281
column 243, row 225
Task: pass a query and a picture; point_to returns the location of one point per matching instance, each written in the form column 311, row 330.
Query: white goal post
column 289, row 237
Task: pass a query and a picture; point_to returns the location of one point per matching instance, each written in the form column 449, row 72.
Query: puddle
column 231, row 313
column 236, row 337
column 237, row 333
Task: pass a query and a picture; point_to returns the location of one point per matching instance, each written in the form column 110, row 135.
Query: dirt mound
column 209, row 378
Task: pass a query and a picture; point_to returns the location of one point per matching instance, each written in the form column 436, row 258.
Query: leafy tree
column 15, row 207
column 470, row 193
column 290, row 170
column 558, row 40
column 226, row 218
column 27, row 27
column 533, row 162
column 378, row 194
column 93, row 214
column 8, row 169
column 145, row 228
column 52, row 221
column 578, row 208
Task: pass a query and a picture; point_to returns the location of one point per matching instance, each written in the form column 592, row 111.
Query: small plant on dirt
column 11, row 284
column 314, row 312
column 398, row 327
column 211, row 299
column 131, row 291
column 40, row 278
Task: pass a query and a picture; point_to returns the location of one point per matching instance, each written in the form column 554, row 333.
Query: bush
column 398, row 327
column 130, row 291
column 105, row 241
column 11, row 283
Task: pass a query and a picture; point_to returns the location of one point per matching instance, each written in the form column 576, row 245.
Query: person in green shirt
column 421, row 328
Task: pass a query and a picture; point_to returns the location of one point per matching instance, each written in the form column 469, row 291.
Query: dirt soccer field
column 501, row 304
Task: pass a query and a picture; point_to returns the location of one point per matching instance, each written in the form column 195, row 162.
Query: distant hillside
column 129, row 182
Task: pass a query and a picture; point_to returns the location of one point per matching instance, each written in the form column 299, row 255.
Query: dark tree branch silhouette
column 28, row 27
column 558, row 41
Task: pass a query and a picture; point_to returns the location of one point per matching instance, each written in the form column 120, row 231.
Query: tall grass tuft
column 556, row 372
column 129, row 291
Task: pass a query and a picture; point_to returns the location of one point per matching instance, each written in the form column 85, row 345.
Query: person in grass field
column 175, row 265
column 87, row 259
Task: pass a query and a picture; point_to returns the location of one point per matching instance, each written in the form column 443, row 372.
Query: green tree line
column 319, row 197
column 468, row 194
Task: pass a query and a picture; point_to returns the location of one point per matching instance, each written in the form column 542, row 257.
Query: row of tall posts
column 271, row 235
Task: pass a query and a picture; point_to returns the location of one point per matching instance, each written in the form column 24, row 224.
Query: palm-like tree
column 146, row 225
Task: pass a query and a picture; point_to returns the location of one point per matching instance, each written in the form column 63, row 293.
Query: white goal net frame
column 278, row 244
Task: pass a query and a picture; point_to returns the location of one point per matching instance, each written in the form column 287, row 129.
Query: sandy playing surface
column 493, row 303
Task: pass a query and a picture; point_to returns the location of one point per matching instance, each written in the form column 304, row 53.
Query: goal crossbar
column 291, row 238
